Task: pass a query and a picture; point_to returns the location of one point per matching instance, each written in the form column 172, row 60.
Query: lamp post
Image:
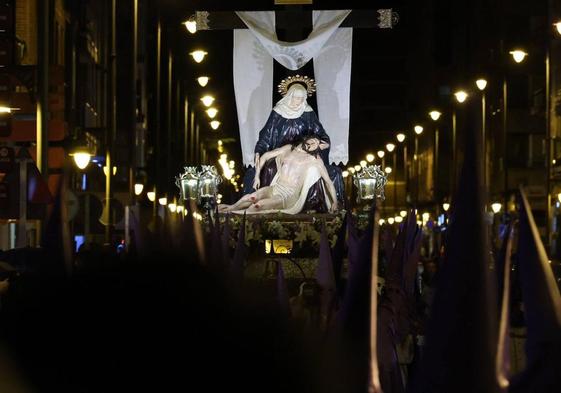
column 418, row 131
column 435, row 116
column 390, row 147
column 481, row 85
column 381, row 155
column 460, row 97
column 400, row 139
column 518, row 56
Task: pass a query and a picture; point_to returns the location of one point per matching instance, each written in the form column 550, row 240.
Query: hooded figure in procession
column 291, row 119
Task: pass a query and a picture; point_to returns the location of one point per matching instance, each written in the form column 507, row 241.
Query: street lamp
column 435, row 115
column 461, row 96
column 370, row 157
column 207, row 100
column 418, row 131
column 481, row 85
column 445, row 206
column 81, row 158
column 191, row 24
column 496, row 207
column 215, row 124
column 198, row 55
column 151, row 195
column 211, row 112
column 138, row 188
column 518, row 55
column 401, row 138
column 363, row 163
column 390, row 147
column 203, row 80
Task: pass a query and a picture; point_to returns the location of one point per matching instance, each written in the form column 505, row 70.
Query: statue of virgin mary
column 291, row 119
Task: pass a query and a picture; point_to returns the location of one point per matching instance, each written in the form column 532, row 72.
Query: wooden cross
column 294, row 23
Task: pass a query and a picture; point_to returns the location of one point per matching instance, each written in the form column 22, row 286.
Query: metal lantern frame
column 199, row 185
column 363, row 181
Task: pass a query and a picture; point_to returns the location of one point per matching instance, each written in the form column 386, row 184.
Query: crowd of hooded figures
column 178, row 311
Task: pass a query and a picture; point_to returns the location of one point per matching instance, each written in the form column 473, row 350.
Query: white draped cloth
column 254, row 51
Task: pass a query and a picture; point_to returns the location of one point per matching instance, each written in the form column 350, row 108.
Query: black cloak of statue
column 279, row 131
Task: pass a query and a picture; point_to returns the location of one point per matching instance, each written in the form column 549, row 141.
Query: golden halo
column 308, row 83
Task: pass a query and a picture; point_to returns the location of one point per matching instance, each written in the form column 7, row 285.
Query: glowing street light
column 461, row 96
column 211, row 112
column 215, row 124
column 445, row 206
column 418, row 129
column 400, row 137
column 481, row 84
column 358, row 168
column 203, row 80
column 390, row 147
column 151, row 196
column 391, row 220
column 207, row 100
column 138, row 187
column 496, row 207
column 191, row 26
column 435, row 115
column 163, row 201
column 403, row 213
column 198, row 55
column 345, row 173
column 370, row 157
column 388, row 169
column 398, row 219
column 81, row 158
column 363, row 163
column 381, row 153
column 518, row 55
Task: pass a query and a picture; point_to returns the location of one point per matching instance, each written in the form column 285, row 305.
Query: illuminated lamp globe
column 445, row 206
column 461, row 96
column 518, row 55
column 138, row 187
column 203, row 80
column 207, row 100
column 381, row 153
column 82, row 159
column 481, row 84
column 198, row 55
column 151, row 196
column 163, row 201
column 418, row 129
column 390, row 147
column 496, row 207
column 363, row 163
column 211, row 112
column 215, row 124
column 403, row 213
column 400, row 137
column 370, row 157
column 435, row 115
column 388, row 169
